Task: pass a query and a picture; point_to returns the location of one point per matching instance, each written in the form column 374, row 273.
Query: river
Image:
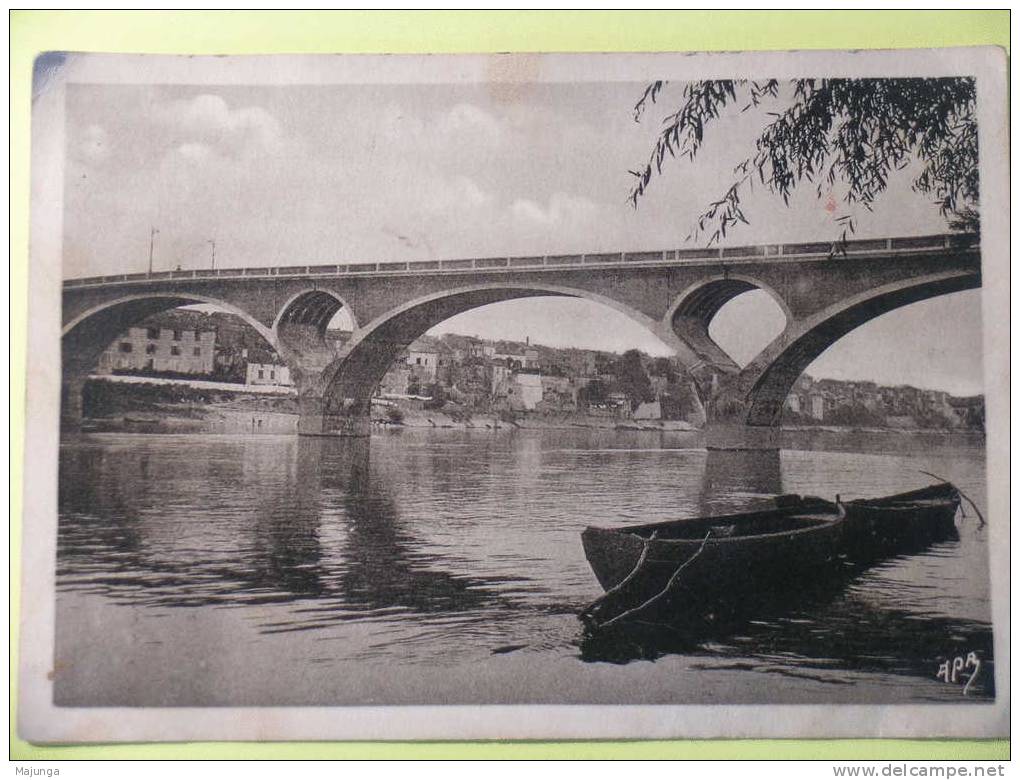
column 437, row 566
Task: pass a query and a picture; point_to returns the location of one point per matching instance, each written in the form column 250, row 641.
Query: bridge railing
column 906, row 246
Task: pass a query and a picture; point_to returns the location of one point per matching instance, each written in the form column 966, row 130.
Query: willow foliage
column 824, row 131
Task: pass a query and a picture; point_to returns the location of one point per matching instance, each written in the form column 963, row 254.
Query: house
column 528, row 390
column 460, row 346
column 513, row 360
column 481, row 349
column 518, row 392
column 267, row 374
column 558, row 393
column 816, row 406
column 337, row 338
column 423, row 359
column 649, row 410
column 160, row 350
column 497, row 372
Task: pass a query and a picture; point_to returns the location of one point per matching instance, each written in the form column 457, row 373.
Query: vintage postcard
column 517, row 396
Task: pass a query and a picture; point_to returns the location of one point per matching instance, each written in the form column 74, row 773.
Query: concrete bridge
column 674, row 293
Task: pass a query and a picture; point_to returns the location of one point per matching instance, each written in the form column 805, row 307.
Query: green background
column 242, row 32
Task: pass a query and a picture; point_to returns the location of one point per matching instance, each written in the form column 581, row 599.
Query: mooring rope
column 664, row 591
column 963, row 495
column 589, row 610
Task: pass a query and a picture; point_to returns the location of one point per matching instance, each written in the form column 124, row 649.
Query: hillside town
column 464, row 374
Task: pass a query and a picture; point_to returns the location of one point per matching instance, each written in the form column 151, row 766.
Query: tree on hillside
column 854, row 132
column 632, row 378
column 663, row 366
column 595, row 392
column 437, row 397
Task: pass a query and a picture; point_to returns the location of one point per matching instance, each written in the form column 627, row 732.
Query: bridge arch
column 358, row 370
column 692, row 312
column 770, row 377
column 706, row 297
column 312, row 306
column 300, row 328
column 86, row 335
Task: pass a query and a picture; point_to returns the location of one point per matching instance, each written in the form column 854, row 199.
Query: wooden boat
column 894, row 525
column 704, row 561
column 700, row 564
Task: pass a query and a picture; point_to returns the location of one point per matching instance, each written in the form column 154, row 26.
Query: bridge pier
column 71, row 402
column 738, row 436
column 317, row 419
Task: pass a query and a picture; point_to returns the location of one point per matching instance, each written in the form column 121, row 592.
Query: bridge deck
column 905, row 246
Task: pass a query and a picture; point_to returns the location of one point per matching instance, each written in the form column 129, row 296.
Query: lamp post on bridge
column 152, row 242
column 212, row 242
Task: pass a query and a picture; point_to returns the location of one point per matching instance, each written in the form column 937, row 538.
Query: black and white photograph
column 517, row 396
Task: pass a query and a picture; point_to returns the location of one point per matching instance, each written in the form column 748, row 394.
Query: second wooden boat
column 895, row 525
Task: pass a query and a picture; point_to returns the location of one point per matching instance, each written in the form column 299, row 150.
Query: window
column 197, row 352
column 197, row 336
column 150, row 349
column 262, row 374
column 125, row 346
column 175, row 350
column 152, row 333
column 272, row 375
column 177, row 335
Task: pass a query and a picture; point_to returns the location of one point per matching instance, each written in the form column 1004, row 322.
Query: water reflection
column 317, row 526
column 834, row 631
column 286, row 550
column 733, row 478
column 385, row 565
column 436, row 550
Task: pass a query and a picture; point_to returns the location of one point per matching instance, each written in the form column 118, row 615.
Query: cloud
column 456, row 194
column 208, row 119
column 562, row 209
column 464, row 128
column 465, row 119
column 194, row 152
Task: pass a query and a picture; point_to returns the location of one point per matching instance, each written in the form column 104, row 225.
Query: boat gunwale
column 941, row 491
column 906, row 506
column 822, row 524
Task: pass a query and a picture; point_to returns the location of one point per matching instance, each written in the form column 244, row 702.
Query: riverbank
column 223, row 419
column 143, row 405
column 524, row 421
column 216, row 419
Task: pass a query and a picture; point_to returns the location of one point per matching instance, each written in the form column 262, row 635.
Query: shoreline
column 225, row 420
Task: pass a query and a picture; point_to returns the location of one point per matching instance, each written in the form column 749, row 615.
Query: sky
column 332, row 174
